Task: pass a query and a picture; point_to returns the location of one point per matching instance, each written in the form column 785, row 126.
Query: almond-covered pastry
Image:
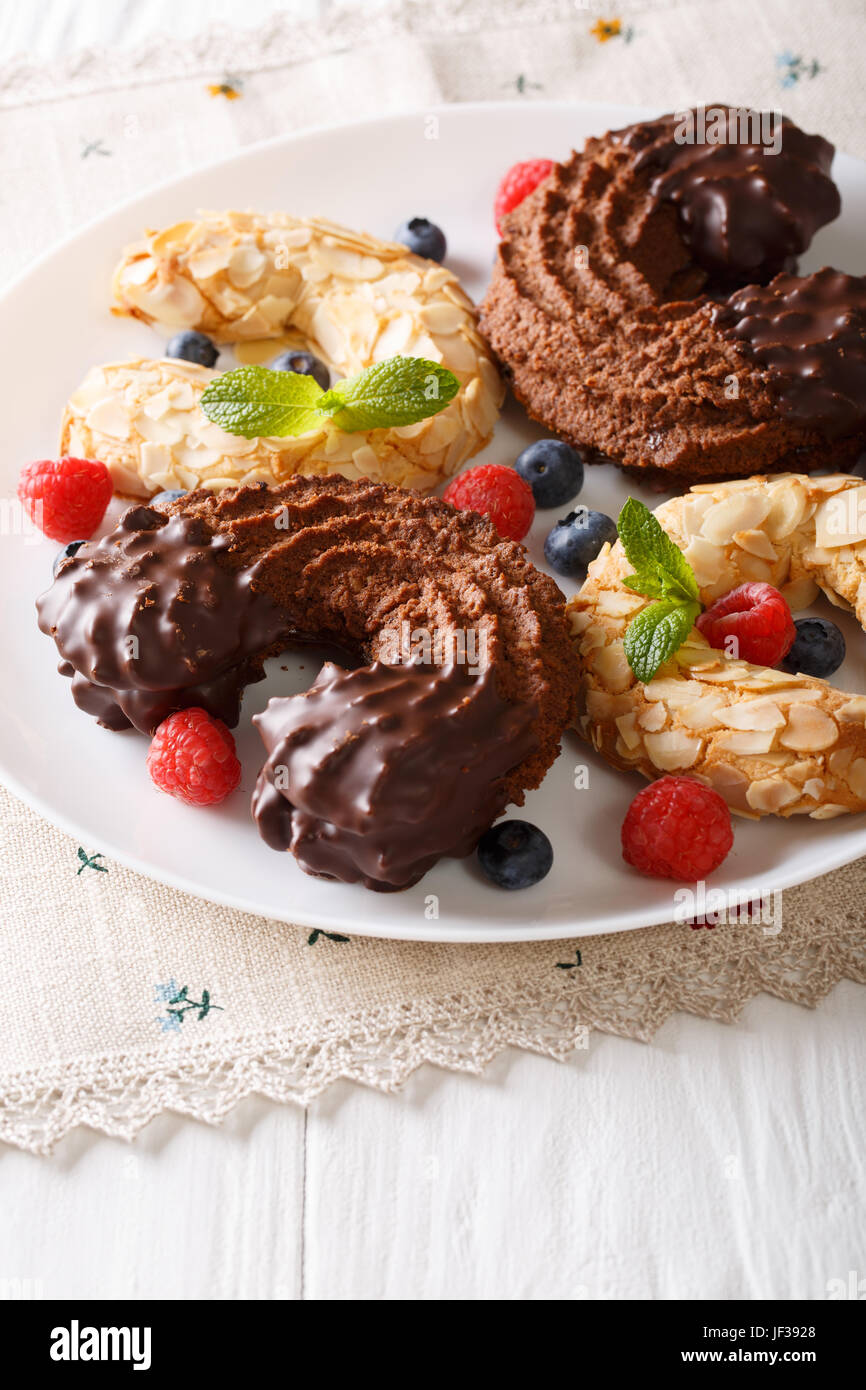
column 142, row 418
column 770, row 742
column 259, row 280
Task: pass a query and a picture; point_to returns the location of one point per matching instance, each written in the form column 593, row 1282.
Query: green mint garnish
column 662, row 572
column 253, row 401
column 400, row 391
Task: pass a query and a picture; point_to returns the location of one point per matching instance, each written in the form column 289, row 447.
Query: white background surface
column 720, row 1161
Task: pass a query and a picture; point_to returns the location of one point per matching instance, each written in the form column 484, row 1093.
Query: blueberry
column 305, row 364
column 193, row 347
column 422, row 237
column 575, row 541
column 515, row 854
column 818, row 650
column 68, row 550
column 162, row 500
column 553, row 470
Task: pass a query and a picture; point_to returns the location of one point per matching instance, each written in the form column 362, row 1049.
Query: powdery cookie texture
column 769, row 742
column 267, row 281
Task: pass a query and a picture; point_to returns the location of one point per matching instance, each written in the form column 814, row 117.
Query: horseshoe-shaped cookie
column 270, row 281
column 768, row 741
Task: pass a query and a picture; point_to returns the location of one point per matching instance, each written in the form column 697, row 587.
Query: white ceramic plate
column 93, row 783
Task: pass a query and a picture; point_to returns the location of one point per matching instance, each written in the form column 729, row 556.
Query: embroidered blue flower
column 162, row 993
column 793, row 67
column 170, row 1023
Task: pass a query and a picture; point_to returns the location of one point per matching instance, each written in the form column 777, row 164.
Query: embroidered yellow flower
column 605, row 29
column 223, row 89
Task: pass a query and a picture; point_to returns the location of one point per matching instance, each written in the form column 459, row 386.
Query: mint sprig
column 400, row 391
column 662, row 572
column 254, row 401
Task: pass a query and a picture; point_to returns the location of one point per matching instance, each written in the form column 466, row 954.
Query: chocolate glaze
column 374, row 774
column 153, row 619
column 810, row 334
column 402, row 765
column 745, row 213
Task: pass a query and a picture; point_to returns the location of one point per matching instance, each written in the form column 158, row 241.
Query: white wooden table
column 720, row 1161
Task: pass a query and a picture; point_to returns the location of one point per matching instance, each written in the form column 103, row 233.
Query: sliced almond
column 653, row 717
column 702, row 713
column 173, row 239
column 839, row 760
column 771, row 794
column 744, row 743
column 841, row 520
column 245, row 265
column 672, row 750
column 618, row 603
column 856, row 778
column 110, row 417
column 627, row 726
column 752, row 715
column 787, row 505
column 593, row 638
column 729, row 673
column 756, row 543
column 707, row 560
column 730, row 783
column 809, row 729
column 743, row 511
column 612, row 667
column 674, row 692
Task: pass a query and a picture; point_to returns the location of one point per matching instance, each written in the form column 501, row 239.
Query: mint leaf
column 663, row 573
column 651, row 585
column 655, row 557
column 400, row 391
column 253, row 401
column 656, row 633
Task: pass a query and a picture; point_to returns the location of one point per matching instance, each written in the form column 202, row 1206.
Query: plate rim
column 836, row 854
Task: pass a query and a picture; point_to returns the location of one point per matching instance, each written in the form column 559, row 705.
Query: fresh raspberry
column 66, row 498
column 751, row 623
column 192, row 756
column 498, row 493
column 518, row 183
column 677, row 828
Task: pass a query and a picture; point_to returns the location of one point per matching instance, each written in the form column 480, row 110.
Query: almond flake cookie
column 351, row 299
column 142, row 418
column 772, row 743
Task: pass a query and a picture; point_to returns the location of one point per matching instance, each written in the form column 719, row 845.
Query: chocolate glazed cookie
column 604, row 306
column 374, row 773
